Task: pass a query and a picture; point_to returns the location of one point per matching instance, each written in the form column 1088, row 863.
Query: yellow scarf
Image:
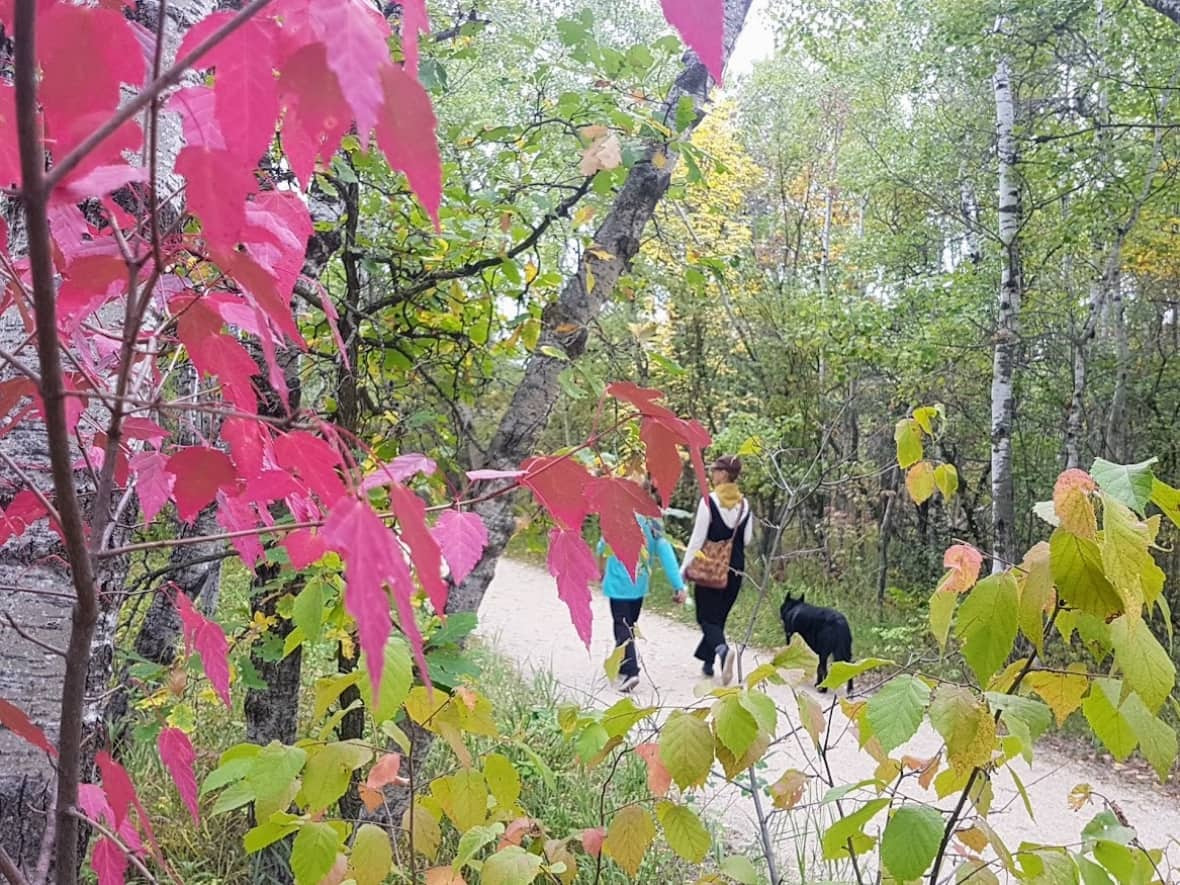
column 728, row 494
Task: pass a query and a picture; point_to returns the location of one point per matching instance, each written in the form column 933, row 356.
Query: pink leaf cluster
column 207, row 639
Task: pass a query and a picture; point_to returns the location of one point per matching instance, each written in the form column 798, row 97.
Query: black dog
column 824, row 630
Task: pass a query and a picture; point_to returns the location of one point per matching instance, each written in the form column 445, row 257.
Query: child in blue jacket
column 626, row 595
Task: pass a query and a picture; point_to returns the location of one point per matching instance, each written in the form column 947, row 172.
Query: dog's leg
column 821, row 673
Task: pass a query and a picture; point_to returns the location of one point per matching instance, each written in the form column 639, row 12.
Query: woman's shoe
column 628, row 683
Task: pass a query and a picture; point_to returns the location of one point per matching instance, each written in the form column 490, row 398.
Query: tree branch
column 474, row 267
column 10, row 870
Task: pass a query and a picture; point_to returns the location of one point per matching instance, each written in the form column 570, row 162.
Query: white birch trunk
column 1007, row 335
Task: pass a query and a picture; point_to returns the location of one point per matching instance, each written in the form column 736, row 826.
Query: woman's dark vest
column 719, row 531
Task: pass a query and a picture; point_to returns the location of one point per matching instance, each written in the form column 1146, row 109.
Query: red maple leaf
column 249, row 442
column 314, row 460
column 411, row 520
column 311, row 100
column 415, row 20
column 406, row 133
column 109, row 862
column 662, row 457
column 14, row 719
column 207, row 639
column 177, row 754
column 372, row 558
column 573, row 564
column 200, row 471
column 246, row 95
column 558, row 484
column 153, row 482
column 462, row 537
column 701, row 24
column 617, row 501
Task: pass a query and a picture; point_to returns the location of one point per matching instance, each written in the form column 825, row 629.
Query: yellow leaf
column 627, row 839
column 1071, row 502
column 973, row 837
column 659, row 159
column 589, row 281
column 947, row 480
column 788, row 789
column 919, row 481
column 1063, row 692
column 425, row 829
column 811, row 716
column 530, row 272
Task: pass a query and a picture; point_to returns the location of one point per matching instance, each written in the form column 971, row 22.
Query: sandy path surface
column 522, row 617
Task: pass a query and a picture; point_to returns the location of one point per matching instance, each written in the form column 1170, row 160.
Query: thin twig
column 127, row 853
column 33, row 639
column 10, row 870
column 35, row 190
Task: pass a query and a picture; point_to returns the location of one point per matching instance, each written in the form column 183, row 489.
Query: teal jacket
column 617, row 583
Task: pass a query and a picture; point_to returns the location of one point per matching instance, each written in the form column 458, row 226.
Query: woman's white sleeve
column 700, row 531
column 749, row 527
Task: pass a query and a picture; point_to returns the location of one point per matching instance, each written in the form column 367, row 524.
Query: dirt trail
column 523, row 618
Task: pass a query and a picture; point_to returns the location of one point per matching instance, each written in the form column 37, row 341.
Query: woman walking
column 626, row 595
column 715, row 561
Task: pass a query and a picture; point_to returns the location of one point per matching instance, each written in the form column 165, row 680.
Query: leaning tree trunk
column 566, row 322
column 1007, row 335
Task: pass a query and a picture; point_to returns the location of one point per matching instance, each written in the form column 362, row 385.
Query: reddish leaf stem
column 35, row 196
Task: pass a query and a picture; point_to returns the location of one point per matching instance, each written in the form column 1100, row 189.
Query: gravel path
column 523, row 618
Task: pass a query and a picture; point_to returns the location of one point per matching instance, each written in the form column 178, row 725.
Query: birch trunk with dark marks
column 1007, row 334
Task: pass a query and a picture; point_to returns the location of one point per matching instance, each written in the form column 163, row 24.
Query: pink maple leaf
column 592, row 840
column 68, row 90
column 246, row 95
column 373, row 558
column 176, row 752
column 14, row 719
column 356, row 38
column 314, row 460
column 208, row 640
column 9, row 154
column 200, row 472
column 153, row 482
column 701, row 24
column 573, row 564
column 415, row 21
column 617, row 501
column 311, row 99
column 411, row 519
column 406, row 133
column 559, row 485
column 304, row 547
column 109, row 862
column 462, row 536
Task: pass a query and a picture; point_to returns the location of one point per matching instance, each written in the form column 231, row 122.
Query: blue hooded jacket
column 617, row 583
